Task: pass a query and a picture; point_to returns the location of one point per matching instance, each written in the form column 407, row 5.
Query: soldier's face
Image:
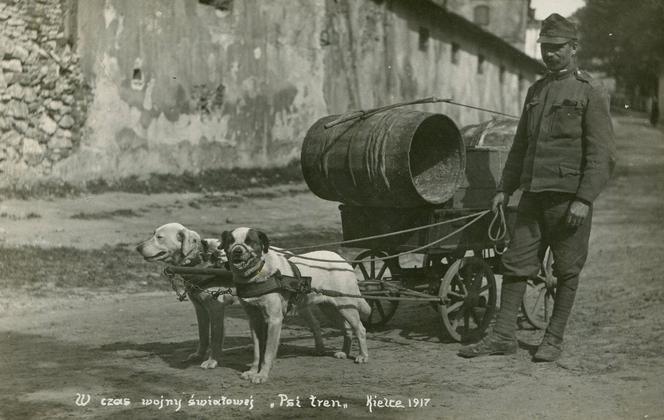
column 558, row 56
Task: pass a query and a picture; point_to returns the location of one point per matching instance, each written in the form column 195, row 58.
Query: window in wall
column 454, row 56
column 481, row 15
column 424, row 39
column 480, row 64
column 501, row 74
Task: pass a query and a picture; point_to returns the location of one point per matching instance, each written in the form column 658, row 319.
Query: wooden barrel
column 397, row 158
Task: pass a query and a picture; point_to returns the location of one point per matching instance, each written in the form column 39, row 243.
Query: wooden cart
column 456, row 274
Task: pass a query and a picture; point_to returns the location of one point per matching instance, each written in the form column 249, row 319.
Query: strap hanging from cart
column 383, row 235
column 421, row 248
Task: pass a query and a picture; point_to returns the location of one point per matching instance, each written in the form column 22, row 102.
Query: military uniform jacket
column 564, row 140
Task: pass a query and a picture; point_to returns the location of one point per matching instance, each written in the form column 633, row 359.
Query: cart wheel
column 375, row 279
column 468, row 291
column 537, row 304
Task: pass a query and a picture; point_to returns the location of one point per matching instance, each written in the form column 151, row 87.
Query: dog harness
column 296, row 284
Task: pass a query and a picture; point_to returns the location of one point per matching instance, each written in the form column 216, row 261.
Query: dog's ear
column 189, row 241
column 264, row 241
column 226, row 238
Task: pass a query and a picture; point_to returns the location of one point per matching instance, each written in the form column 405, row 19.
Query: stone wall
column 43, row 100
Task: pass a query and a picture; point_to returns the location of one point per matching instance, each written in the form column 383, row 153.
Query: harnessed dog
column 175, row 244
column 268, row 283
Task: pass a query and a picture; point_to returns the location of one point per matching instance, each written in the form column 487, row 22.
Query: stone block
column 23, row 79
column 11, row 155
column 20, row 125
column 62, row 86
column 17, row 109
column 54, row 105
column 47, row 125
column 32, row 151
column 9, row 78
column 31, row 60
column 12, row 65
column 61, row 140
column 33, row 107
column 16, row 91
column 66, row 121
column 19, row 53
column 51, row 78
column 29, row 95
column 11, row 138
column 15, row 22
column 34, row 133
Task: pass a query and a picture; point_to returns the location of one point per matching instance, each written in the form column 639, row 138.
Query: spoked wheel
column 468, row 291
column 375, row 279
column 537, row 304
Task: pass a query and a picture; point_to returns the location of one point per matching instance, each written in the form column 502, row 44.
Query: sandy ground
column 129, row 346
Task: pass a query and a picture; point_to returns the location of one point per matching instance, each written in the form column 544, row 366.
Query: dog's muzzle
column 140, row 248
column 244, row 260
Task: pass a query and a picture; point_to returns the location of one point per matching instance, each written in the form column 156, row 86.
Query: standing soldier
column 562, row 157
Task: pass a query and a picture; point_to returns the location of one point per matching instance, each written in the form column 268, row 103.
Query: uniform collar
column 557, row 75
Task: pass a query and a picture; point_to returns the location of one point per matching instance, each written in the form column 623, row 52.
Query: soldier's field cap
column 557, row 30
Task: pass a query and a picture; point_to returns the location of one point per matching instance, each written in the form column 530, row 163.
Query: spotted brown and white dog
column 174, row 244
column 253, row 262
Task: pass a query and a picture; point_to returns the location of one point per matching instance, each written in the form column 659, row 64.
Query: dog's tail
column 364, row 308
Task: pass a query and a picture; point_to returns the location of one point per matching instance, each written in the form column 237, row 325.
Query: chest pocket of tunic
column 566, row 119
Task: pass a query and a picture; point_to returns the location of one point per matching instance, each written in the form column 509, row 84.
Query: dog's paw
column 259, row 378
column 340, row 355
column 248, row 374
column 362, row 359
column 209, row 364
column 194, row 357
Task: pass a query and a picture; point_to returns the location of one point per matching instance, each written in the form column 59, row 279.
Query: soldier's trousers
column 541, row 222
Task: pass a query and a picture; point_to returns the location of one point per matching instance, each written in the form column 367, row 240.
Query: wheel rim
column 370, row 272
column 468, row 291
column 538, row 300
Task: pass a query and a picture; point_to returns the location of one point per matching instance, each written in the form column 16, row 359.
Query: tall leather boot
column 552, row 344
column 502, row 340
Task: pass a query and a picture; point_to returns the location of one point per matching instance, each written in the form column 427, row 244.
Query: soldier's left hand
column 577, row 213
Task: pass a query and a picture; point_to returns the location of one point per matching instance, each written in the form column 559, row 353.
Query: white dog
column 174, row 244
column 256, row 269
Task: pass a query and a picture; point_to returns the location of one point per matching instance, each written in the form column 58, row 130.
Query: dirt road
column 126, row 346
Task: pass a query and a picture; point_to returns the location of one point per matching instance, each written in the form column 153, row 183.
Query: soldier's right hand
column 498, row 200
